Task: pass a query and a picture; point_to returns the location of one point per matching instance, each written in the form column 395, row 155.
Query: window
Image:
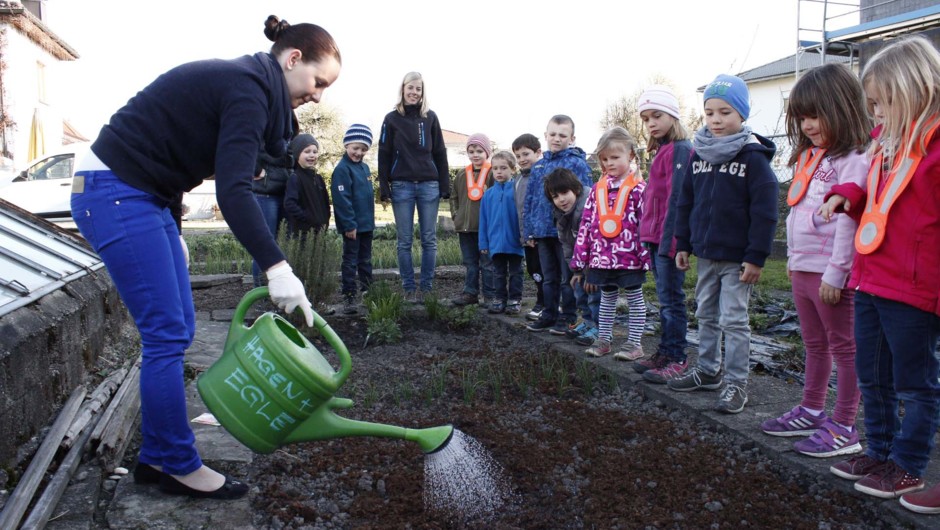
column 41, row 82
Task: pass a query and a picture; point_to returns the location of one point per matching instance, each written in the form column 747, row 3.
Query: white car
column 45, row 188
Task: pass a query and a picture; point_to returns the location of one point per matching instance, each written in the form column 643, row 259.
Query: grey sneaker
column 695, row 379
column 513, row 307
column 411, row 297
column 732, row 399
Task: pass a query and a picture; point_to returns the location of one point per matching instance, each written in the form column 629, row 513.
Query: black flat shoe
column 145, row 474
column 232, row 489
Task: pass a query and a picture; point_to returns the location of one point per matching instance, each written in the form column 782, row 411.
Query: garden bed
column 575, row 449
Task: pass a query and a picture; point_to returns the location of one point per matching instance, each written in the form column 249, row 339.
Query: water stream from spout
column 463, row 481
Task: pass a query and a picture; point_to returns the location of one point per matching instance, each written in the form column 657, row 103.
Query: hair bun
column 273, row 27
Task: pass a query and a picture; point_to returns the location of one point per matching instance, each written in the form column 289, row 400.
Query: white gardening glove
column 287, row 292
column 185, row 249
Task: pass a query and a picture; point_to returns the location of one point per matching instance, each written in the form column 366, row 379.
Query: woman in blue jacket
column 199, row 119
column 413, row 173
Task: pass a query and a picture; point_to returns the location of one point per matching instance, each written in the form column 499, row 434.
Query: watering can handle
column 258, row 293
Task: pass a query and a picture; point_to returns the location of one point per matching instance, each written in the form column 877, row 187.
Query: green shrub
column 315, row 260
column 217, row 254
column 384, row 307
column 455, row 318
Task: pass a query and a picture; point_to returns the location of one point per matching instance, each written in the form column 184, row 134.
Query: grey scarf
column 718, row 150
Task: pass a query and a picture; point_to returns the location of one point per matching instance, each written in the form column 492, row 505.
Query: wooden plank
column 47, row 502
column 132, row 375
column 23, row 494
column 98, row 399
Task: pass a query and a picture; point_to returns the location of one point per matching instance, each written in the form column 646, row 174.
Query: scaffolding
column 815, row 19
column 840, row 27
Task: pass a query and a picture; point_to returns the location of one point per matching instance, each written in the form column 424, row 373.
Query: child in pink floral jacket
column 608, row 243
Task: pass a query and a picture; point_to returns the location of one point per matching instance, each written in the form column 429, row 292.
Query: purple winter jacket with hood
column 623, row 252
column 657, row 226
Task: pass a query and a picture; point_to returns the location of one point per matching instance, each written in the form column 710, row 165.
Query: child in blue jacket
column 354, row 209
column 499, row 235
column 539, row 225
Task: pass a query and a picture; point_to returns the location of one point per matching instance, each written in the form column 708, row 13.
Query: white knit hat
column 659, row 97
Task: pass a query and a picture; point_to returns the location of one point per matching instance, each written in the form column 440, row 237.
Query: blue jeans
column 136, row 237
column 895, row 359
column 426, row 196
column 357, row 259
column 722, row 311
column 507, row 277
column 272, row 208
column 479, row 274
column 673, row 316
column 556, row 278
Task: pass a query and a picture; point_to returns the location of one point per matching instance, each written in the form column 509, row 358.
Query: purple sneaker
column 797, row 422
column 831, row 439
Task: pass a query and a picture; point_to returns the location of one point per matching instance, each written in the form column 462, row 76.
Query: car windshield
column 56, row 167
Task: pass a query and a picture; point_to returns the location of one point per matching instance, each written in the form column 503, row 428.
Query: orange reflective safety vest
column 476, row 188
column 610, row 222
column 805, row 167
column 871, row 227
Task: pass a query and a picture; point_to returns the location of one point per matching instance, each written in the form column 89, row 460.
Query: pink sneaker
column 600, row 349
column 629, row 352
column 926, row 501
column 889, row 482
column 661, row 375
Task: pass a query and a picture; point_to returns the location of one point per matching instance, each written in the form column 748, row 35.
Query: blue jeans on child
column 556, row 286
column 507, row 277
column 479, row 273
column 895, row 360
column 136, row 237
column 272, row 208
column 406, row 196
column 673, row 315
column 722, row 310
column 357, row 259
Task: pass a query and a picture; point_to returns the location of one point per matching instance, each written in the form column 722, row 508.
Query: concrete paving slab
column 76, row 508
column 207, row 344
column 214, row 442
column 142, row 507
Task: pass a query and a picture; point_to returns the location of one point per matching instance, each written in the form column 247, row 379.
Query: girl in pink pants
column 828, row 128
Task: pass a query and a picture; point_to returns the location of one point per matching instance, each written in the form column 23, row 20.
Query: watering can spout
column 324, row 424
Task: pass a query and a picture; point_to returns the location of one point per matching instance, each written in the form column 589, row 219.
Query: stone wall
column 68, row 338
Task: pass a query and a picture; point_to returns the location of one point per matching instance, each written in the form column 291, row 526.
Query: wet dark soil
column 578, row 451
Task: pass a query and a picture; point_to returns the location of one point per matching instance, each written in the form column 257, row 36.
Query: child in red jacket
column 897, row 301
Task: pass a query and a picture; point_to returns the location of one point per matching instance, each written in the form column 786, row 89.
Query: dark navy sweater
column 411, row 148
column 728, row 212
column 201, row 119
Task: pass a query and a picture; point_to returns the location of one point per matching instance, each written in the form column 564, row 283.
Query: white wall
column 767, row 110
column 21, row 81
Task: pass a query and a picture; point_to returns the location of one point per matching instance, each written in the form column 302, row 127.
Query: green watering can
column 271, row 387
